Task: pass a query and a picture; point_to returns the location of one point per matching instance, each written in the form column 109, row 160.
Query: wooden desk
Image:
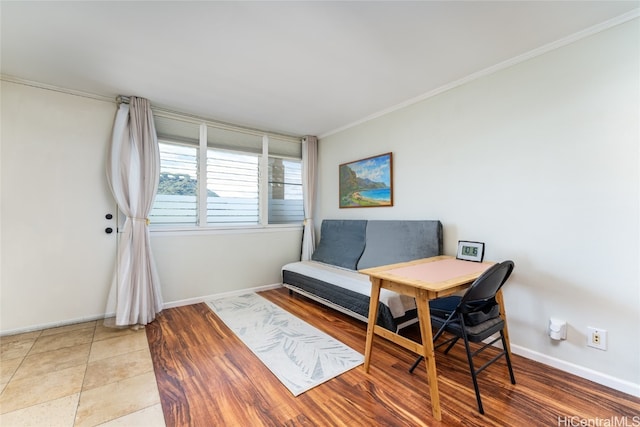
column 424, row 279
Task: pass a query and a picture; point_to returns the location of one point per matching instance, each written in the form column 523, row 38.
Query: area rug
column 298, row 354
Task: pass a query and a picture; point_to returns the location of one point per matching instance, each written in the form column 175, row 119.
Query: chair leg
column 506, row 355
column 473, row 373
column 415, row 364
column 453, row 342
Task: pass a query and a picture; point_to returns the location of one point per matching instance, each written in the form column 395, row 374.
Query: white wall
column 56, row 261
column 56, row 258
column 541, row 162
column 194, row 266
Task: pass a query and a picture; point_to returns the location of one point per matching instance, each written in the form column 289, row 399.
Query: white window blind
column 177, row 130
column 285, row 181
column 233, row 140
column 285, row 147
column 285, row 191
column 177, row 198
column 233, row 188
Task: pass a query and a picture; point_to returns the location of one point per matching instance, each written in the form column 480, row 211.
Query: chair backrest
column 486, row 286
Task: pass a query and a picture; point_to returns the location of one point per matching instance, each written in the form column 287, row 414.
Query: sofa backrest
column 341, row 242
column 390, row 242
column 358, row 244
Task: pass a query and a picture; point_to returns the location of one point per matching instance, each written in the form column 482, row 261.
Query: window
column 177, row 198
column 233, row 185
column 285, row 191
column 213, row 176
column 284, row 182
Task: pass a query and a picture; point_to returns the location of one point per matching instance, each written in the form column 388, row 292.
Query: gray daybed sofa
column 345, row 246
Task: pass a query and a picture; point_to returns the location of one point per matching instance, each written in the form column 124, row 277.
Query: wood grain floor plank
column 207, row 377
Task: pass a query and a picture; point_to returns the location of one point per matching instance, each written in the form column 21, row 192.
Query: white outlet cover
column 591, row 331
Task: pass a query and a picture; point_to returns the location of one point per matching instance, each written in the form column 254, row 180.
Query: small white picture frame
column 470, row 251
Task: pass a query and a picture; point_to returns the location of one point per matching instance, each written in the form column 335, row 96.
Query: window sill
column 245, row 229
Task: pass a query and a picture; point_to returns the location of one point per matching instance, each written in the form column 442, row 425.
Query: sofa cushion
column 390, row 242
column 341, row 242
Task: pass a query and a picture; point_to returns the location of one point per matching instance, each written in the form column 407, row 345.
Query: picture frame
column 367, row 182
column 470, row 251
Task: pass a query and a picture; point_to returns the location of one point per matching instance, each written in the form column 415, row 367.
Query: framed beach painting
column 367, row 182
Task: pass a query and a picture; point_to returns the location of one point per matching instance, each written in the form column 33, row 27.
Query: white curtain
column 133, row 167
column 309, row 178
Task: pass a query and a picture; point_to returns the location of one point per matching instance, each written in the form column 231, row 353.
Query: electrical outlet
column 597, row 338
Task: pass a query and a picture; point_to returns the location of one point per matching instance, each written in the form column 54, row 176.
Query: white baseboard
column 598, row 377
column 107, row 315
column 55, row 324
column 197, row 300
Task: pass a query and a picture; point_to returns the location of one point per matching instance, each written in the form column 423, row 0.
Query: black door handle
column 108, row 230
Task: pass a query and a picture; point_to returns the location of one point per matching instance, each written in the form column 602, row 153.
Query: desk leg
column 373, row 318
column 424, row 316
column 503, row 314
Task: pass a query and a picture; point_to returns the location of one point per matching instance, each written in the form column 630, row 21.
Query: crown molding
column 157, row 109
column 25, row 82
column 603, row 26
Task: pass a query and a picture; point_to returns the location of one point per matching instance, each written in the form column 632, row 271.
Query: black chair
column 473, row 317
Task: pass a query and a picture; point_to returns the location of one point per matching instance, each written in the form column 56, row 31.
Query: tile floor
column 78, row 375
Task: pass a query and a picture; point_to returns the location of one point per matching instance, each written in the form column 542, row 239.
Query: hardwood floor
column 207, row 377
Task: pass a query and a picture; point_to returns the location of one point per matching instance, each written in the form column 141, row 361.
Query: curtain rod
column 122, row 99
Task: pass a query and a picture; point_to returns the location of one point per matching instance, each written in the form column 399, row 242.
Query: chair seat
column 443, row 307
column 475, row 313
column 475, row 333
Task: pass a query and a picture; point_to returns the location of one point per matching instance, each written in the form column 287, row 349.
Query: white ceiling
column 291, row 67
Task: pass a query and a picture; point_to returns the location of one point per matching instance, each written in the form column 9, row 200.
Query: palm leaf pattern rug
column 298, row 354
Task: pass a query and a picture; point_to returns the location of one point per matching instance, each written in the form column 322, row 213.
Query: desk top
column 434, row 274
